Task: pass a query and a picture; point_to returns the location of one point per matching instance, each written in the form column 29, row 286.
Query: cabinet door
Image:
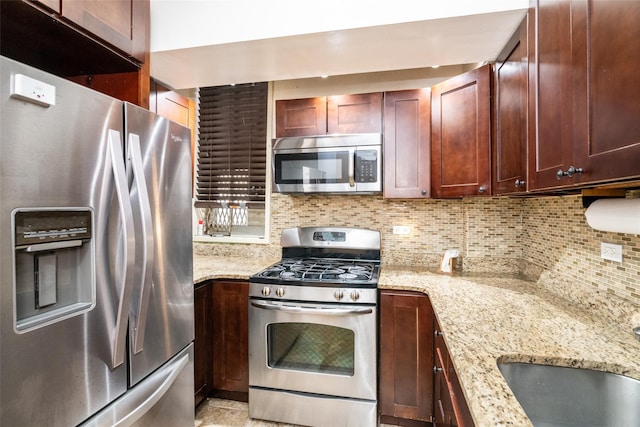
column 461, row 135
column 121, row 23
column 202, row 342
column 301, row 117
column 361, row 113
column 406, row 356
column 606, row 40
column 231, row 336
column 167, row 103
column 407, row 144
column 510, row 137
column 550, row 93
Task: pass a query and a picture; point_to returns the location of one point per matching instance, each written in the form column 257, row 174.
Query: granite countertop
column 491, row 319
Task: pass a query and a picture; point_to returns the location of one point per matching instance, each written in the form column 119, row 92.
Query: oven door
column 326, row 349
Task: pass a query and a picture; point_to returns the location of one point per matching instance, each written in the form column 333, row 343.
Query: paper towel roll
column 615, row 215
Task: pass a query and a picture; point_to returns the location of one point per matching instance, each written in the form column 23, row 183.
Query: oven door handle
column 308, row 310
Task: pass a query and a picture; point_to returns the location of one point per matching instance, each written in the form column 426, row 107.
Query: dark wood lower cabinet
column 406, row 356
column 221, row 359
column 230, row 339
column 418, row 383
column 202, row 362
column 451, row 408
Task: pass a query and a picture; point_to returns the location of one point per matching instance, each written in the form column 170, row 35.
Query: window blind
column 232, row 132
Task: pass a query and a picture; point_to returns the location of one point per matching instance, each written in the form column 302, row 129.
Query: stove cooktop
column 352, row 272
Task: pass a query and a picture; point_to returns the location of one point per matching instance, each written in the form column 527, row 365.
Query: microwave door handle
column 119, row 336
column 352, row 166
column 148, row 250
column 311, row 310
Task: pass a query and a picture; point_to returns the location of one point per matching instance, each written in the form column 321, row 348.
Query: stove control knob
column 280, row 292
column 266, row 291
column 355, row 295
column 339, row 294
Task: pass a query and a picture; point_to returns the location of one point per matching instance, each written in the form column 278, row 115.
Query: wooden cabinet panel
column 606, row 60
column 230, row 336
column 451, row 408
column 361, row 113
column 167, row 103
column 550, row 105
column 406, row 356
column 202, row 361
column 509, row 148
column 407, row 144
column 121, row 23
column 583, row 92
column 461, row 135
column 301, row 117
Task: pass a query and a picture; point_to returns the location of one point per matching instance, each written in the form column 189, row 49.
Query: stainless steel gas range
column 313, row 329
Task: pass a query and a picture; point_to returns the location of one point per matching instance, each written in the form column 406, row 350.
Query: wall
column 494, row 235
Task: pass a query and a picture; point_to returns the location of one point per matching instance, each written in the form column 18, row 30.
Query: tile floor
column 228, row 413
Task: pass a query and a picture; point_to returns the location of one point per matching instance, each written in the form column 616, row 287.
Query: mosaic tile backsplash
column 494, row 235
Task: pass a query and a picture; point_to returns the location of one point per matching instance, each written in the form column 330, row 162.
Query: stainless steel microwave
column 349, row 163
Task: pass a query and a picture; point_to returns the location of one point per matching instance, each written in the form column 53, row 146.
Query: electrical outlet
column 401, row 229
column 611, row 252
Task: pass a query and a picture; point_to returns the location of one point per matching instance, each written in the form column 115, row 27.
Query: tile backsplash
column 524, row 236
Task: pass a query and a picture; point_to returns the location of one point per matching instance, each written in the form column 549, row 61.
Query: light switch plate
column 401, row 229
column 611, row 251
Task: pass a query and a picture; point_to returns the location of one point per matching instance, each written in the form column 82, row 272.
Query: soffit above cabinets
column 182, row 57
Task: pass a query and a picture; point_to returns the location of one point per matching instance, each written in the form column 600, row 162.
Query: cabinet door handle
column 519, row 183
column 570, row 172
column 436, row 369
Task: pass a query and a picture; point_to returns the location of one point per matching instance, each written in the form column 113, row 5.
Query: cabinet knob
column 424, row 192
column 519, row 183
column 437, row 333
column 436, row 369
column 482, row 189
column 570, row 172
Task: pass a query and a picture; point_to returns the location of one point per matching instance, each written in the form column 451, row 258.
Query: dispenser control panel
column 44, row 226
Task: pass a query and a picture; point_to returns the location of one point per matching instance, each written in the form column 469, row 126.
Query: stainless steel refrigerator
column 96, row 287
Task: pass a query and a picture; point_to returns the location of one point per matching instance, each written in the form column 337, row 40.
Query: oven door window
column 325, row 167
column 311, row 347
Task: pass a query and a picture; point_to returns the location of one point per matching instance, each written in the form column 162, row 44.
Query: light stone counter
column 486, row 319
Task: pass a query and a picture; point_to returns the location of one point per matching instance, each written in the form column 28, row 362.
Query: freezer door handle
column 126, row 218
column 140, row 399
column 148, row 250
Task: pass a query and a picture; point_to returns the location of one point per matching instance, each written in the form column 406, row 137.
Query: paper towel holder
column 590, row 195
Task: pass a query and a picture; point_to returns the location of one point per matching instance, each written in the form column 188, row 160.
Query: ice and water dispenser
column 54, row 255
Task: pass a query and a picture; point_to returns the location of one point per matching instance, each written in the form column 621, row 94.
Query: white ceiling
column 218, row 44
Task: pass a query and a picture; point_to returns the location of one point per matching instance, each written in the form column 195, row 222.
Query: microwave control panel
column 366, row 166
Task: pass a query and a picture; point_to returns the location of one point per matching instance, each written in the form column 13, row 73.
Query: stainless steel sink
column 558, row 396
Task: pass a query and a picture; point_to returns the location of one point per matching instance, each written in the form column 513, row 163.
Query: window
column 231, row 170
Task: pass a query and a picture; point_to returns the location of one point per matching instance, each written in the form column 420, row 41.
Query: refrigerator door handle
column 126, row 218
column 148, row 250
column 141, row 399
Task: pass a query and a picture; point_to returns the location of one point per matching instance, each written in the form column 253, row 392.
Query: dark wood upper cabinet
column 509, row 148
column 360, row 113
column 461, row 135
column 406, row 356
column 584, row 92
column 407, row 144
column 123, row 24
column 301, row 117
